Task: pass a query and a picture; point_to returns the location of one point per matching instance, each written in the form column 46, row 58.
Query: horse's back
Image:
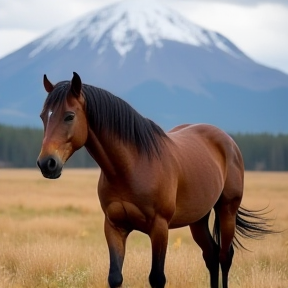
column 206, row 140
column 207, row 159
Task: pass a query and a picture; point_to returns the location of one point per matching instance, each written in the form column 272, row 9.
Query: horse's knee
column 115, row 280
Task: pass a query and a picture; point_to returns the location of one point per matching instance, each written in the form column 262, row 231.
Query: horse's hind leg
column 202, row 236
column 226, row 210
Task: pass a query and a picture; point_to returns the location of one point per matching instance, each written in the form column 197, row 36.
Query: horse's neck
column 113, row 156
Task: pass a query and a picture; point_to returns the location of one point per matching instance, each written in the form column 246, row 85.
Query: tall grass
column 51, row 235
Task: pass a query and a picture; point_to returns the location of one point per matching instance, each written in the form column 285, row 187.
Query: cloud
column 245, row 2
column 15, row 39
column 33, row 15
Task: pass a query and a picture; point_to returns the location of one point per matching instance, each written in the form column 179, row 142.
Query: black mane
column 107, row 112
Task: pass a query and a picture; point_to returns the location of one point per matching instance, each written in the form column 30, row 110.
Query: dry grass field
column 51, row 235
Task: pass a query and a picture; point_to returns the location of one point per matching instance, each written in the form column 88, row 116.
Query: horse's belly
column 193, row 205
column 199, row 188
column 186, row 216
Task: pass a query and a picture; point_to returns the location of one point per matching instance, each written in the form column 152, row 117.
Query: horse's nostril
column 52, row 165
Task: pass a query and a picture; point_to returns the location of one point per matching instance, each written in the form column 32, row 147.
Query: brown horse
column 151, row 181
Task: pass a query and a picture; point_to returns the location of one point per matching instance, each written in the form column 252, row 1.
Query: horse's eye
column 69, row 117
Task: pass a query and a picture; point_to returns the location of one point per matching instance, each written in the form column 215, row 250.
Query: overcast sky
column 258, row 27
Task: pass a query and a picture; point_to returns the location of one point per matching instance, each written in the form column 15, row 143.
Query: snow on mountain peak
column 125, row 22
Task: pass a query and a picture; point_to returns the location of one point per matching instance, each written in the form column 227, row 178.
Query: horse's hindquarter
column 204, row 154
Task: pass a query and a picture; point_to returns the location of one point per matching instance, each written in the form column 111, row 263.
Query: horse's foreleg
column 116, row 240
column 159, row 239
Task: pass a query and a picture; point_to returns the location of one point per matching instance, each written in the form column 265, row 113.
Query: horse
column 151, row 181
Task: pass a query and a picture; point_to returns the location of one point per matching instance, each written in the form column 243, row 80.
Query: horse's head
column 65, row 125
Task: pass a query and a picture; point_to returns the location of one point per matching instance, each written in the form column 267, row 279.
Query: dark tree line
column 263, row 151
column 19, row 147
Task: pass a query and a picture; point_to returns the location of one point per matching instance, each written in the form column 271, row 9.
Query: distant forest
column 19, row 148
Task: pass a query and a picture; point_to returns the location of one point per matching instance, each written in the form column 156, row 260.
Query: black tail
column 250, row 224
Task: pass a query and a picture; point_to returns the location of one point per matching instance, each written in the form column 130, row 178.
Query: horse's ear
column 47, row 84
column 76, row 84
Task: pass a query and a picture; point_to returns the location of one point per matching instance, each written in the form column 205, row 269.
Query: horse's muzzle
column 50, row 166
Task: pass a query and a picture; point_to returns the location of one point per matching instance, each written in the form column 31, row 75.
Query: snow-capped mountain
column 167, row 67
column 124, row 23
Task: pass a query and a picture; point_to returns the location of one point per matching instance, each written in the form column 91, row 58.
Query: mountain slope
column 168, row 68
